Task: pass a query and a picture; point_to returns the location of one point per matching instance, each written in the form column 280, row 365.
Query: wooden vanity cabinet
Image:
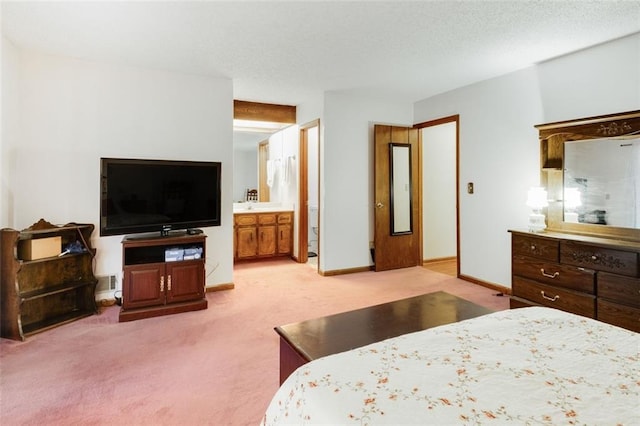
column 590, row 276
column 262, row 235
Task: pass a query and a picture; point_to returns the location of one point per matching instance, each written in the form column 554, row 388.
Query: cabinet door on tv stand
column 185, row 281
column 143, row 285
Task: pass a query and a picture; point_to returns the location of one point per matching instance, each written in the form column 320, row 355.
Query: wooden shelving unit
column 44, row 293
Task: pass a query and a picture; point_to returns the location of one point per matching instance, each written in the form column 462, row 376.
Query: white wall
column 10, row 82
column 499, row 148
column 601, row 80
column 439, row 191
column 346, row 171
column 311, row 109
column 75, row 112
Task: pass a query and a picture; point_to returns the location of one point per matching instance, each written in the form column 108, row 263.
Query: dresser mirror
column 602, row 182
column 590, row 167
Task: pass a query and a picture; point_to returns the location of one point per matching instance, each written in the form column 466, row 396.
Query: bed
column 524, row 366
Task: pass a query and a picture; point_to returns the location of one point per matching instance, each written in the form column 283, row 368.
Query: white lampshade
column 572, row 198
column 537, row 198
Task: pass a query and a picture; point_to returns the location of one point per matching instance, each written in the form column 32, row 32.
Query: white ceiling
column 283, row 52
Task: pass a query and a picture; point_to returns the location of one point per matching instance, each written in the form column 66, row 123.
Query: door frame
column 303, row 191
column 444, row 120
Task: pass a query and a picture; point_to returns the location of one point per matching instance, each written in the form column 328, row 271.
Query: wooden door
column 395, row 250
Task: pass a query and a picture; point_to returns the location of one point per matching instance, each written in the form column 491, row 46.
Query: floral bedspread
column 523, row 366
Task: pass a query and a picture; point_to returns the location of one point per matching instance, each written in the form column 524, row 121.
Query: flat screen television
column 139, row 196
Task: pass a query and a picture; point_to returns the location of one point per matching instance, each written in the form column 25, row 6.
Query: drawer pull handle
column 555, row 274
column 533, row 247
column 594, row 257
column 551, row 299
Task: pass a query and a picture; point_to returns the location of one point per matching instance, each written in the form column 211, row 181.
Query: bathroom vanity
column 262, row 233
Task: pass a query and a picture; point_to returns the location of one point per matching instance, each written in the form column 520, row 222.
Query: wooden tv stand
column 152, row 286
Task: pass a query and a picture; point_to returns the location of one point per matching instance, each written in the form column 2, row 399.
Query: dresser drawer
column 565, row 276
column 620, row 315
column 616, row 288
column 245, row 219
column 599, row 258
column 537, row 247
column 554, row 297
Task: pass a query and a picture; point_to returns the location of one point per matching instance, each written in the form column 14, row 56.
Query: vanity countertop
column 246, row 208
column 262, row 210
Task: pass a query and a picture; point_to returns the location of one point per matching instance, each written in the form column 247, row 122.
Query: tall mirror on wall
column 591, row 168
column 400, row 190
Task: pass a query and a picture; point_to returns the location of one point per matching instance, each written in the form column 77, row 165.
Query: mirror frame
column 392, row 177
column 552, row 137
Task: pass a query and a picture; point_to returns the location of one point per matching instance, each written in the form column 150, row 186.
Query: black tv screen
column 158, row 195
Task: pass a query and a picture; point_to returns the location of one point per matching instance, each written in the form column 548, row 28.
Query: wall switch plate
column 470, row 188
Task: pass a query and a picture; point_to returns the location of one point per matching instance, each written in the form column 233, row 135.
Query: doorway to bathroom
column 308, row 195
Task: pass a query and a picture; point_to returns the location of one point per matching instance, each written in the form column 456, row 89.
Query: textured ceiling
column 282, row 52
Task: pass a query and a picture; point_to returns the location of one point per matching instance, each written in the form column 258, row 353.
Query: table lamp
column 537, row 200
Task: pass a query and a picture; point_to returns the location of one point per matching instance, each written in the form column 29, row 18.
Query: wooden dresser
column 581, row 265
column 590, row 276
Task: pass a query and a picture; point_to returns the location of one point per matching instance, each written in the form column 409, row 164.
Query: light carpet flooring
column 217, row 366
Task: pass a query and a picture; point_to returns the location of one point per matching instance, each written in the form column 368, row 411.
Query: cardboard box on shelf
column 39, row 248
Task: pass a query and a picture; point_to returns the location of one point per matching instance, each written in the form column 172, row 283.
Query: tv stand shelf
column 152, row 286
